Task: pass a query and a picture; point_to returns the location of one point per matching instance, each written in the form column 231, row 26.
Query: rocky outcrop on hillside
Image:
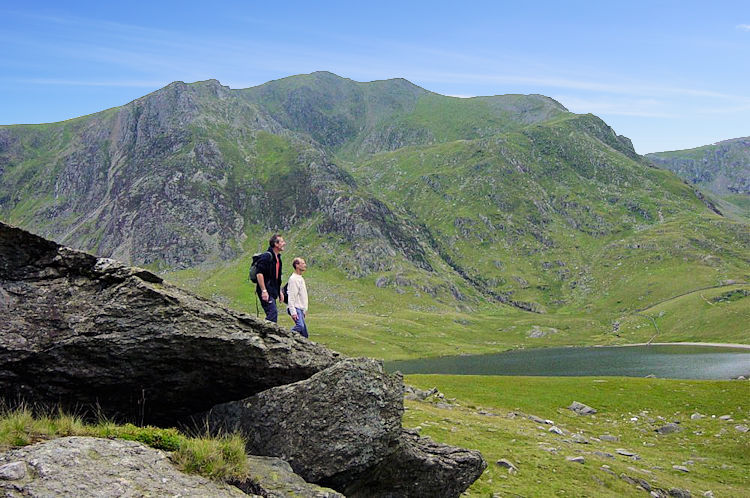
column 88, row 333
column 722, row 168
column 94, row 467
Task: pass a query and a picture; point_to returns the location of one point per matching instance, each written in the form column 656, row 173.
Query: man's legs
column 269, row 307
column 300, row 325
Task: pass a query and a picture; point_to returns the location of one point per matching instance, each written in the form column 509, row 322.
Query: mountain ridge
column 508, row 198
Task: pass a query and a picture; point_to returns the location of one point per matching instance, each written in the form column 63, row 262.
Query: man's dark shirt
column 267, row 266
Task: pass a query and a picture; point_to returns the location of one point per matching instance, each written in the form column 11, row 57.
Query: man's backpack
column 253, row 274
column 285, row 290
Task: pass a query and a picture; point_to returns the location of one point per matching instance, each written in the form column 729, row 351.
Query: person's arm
column 262, row 285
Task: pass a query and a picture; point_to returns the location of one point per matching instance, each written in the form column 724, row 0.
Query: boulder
column 609, row 437
column 418, row 467
column 581, row 409
column 93, row 467
column 668, row 428
column 341, row 420
column 82, row 331
column 512, row 469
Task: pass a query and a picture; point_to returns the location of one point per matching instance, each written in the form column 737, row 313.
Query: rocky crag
column 722, row 169
column 89, row 333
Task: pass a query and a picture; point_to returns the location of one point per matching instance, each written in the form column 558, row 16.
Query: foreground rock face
column 83, row 467
column 341, row 420
column 85, row 331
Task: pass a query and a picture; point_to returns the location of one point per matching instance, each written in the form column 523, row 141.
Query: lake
column 673, row 362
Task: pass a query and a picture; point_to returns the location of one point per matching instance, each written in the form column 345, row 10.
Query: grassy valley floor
column 508, row 418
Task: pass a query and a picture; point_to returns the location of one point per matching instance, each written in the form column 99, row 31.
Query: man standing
column 297, row 294
column 269, row 277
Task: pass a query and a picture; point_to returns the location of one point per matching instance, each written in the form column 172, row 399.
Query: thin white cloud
column 118, row 83
column 648, row 108
column 744, row 27
column 636, row 89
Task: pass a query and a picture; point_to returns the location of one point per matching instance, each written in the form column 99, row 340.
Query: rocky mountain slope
column 723, row 169
column 505, row 199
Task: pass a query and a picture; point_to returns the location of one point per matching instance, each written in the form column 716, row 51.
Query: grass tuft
column 222, row 458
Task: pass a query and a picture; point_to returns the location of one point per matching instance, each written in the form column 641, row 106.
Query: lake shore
column 712, row 344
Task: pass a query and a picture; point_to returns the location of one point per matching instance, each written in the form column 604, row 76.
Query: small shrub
column 218, row 458
column 162, row 439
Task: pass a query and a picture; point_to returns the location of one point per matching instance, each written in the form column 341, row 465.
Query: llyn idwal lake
column 673, row 362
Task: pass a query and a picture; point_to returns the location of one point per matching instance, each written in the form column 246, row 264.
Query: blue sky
column 669, row 75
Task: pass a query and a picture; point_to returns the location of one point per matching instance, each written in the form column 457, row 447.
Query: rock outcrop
column 84, row 332
column 341, row 428
column 78, row 331
column 341, row 420
column 94, row 467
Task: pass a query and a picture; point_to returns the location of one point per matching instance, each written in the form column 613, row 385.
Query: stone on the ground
column 696, row 416
column 93, row 467
column 681, row 468
column 512, row 469
column 581, row 409
column 579, row 439
column 742, row 428
column 556, row 430
column 627, row 453
column 668, row 428
column 725, row 417
column 679, row 493
column 576, row 459
column 603, row 454
column 610, row 438
column 636, row 481
column 412, row 393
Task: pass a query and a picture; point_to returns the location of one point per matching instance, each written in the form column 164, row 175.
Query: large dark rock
column 418, row 467
column 339, row 421
column 93, row 467
column 86, row 332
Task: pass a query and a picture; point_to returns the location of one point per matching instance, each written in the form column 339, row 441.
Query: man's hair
column 295, row 262
column 274, row 239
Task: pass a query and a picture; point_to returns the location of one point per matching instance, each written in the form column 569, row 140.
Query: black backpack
column 253, row 273
column 286, row 294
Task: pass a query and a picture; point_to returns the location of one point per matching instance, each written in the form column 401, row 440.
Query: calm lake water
column 674, row 362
